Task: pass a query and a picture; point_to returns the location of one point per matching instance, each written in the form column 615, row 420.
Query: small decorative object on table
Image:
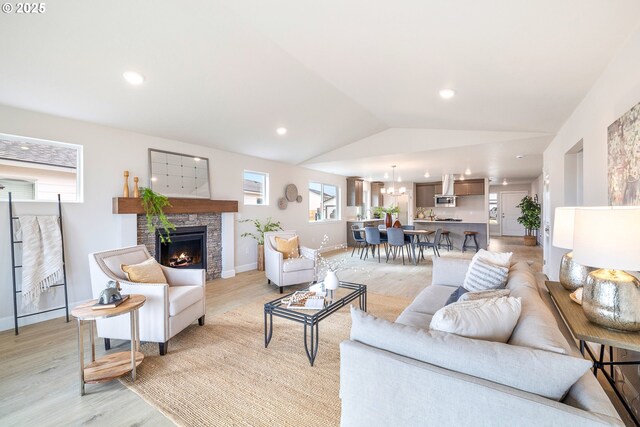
column 305, row 300
column 110, row 297
column 572, row 274
column 576, row 296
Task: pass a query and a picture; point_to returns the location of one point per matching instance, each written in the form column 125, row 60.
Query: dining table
column 415, row 238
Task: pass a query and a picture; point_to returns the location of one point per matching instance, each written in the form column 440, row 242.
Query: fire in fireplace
column 187, row 248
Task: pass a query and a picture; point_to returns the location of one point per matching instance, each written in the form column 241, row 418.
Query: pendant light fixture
column 392, row 191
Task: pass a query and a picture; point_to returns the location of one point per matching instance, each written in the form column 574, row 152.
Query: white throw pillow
column 484, row 319
column 491, row 293
column 503, row 259
column 482, row 276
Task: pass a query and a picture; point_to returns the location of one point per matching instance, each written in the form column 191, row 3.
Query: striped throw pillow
column 482, row 276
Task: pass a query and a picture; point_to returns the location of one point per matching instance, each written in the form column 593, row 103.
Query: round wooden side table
column 113, row 365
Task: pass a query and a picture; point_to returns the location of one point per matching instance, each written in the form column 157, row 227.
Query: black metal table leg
column 269, row 334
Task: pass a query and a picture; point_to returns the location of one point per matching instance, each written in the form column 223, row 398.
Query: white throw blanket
column 41, row 256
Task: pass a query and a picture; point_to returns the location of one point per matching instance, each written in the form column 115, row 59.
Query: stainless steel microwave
column 445, row 201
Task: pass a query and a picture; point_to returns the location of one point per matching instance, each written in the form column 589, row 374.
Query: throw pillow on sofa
column 455, row 295
column 491, row 293
column 483, row 275
column 485, row 319
column 535, row 371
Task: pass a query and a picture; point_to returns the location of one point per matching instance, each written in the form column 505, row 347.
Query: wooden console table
column 113, row 365
column 586, row 331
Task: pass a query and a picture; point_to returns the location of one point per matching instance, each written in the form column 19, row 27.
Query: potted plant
column 153, row 204
column 530, row 218
column 261, row 228
column 378, row 212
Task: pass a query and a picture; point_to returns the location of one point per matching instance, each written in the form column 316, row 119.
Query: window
column 323, row 202
column 493, row 208
column 39, row 170
column 256, row 186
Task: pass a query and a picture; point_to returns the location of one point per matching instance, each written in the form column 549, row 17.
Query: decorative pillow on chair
column 288, row 247
column 148, row 271
column 482, row 276
column 485, row 319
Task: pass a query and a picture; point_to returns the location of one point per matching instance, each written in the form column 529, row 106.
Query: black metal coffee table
column 346, row 293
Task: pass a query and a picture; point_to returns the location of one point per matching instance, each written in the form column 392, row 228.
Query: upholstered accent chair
column 286, row 272
column 169, row 308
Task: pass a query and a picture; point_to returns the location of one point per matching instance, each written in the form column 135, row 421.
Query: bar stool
column 469, row 235
column 444, row 235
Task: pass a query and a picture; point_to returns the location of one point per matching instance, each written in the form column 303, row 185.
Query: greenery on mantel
column 153, row 204
column 261, row 228
column 530, row 218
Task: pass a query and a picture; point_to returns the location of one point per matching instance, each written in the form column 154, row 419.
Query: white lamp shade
column 607, row 237
column 563, row 227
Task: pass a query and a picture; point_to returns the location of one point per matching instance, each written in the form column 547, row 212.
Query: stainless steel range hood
column 447, row 185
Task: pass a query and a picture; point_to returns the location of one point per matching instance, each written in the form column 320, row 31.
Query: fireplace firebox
column 187, row 248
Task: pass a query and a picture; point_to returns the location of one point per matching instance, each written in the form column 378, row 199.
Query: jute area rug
column 220, row 374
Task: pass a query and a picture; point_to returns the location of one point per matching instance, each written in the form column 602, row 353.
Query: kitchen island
column 456, row 230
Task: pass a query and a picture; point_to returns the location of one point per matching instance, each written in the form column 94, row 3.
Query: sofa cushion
column 455, row 295
column 415, row 319
column 181, row 297
column 483, row 275
column 536, row 371
column 491, row 319
column 431, row 299
column 537, row 327
column 297, row 264
column 148, row 271
column 490, row 293
column 449, row 271
column 288, row 247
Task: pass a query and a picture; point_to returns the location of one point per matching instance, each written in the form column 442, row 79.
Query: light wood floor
column 39, row 367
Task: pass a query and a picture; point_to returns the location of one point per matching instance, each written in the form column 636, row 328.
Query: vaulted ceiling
column 355, row 82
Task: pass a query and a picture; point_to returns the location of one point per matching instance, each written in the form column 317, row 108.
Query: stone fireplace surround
column 213, row 222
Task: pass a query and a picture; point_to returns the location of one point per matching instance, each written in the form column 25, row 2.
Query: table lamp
column 608, row 238
column 572, row 274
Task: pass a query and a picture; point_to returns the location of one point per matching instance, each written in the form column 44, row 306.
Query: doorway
column 509, row 200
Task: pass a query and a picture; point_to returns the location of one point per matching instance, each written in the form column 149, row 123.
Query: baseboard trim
column 6, row 323
column 246, row 267
column 226, row 274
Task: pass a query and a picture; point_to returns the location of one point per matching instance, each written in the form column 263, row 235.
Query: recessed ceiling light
column 427, row 174
column 281, row 131
column 24, row 148
column 386, row 175
column 504, row 182
column 133, row 77
column 520, row 156
column 447, row 93
column 467, row 172
column 154, row 179
column 197, row 159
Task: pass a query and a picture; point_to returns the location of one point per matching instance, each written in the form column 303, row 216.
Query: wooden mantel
column 130, row 205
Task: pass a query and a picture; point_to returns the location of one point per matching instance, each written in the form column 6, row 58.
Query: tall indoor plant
column 258, row 235
column 530, row 218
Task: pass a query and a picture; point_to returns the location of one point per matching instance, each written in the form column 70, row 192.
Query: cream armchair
column 286, row 272
column 169, row 308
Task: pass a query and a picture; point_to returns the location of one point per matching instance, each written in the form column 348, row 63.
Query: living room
column 520, row 97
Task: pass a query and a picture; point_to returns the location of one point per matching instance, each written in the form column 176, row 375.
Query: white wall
column 90, row 226
column 615, row 92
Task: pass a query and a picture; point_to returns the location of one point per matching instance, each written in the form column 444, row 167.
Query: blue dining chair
column 372, row 236
column 359, row 239
column 408, row 239
column 396, row 241
column 383, row 235
column 433, row 245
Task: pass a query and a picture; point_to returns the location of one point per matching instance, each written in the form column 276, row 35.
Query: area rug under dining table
column 221, row 374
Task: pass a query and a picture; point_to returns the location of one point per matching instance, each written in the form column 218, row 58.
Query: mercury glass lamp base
column 572, row 274
column 611, row 298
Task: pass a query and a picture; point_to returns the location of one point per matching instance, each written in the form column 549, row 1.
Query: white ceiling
column 351, row 80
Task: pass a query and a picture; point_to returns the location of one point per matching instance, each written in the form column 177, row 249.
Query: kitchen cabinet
column 355, row 188
column 377, row 198
column 425, row 195
column 437, row 188
column 471, row 187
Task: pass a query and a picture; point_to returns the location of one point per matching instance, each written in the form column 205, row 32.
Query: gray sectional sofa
column 401, row 374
